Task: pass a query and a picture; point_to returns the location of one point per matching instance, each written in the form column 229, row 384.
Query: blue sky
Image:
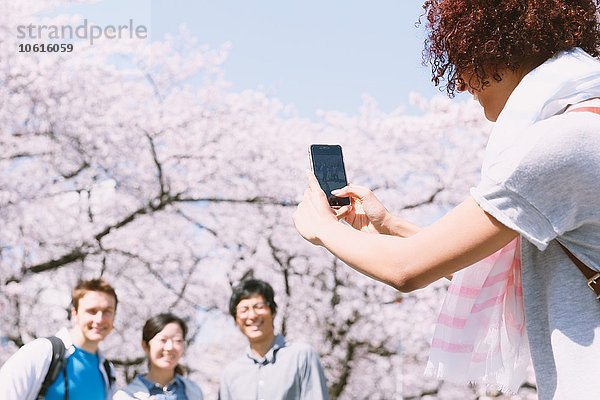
column 313, row 54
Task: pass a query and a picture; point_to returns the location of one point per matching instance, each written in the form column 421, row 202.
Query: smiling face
column 166, row 347
column 255, row 319
column 94, row 318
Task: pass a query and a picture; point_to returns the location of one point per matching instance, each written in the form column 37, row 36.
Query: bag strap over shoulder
column 593, row 277
column 57, row 363
column 595, row 110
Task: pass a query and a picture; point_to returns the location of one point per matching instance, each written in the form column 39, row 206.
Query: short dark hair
column 249, row 288
column 92, row 285
column 481, row 37
column 156, row 324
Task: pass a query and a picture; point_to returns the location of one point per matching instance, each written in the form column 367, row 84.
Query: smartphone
column 328, row 166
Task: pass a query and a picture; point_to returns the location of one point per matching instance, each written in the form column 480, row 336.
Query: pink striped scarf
column 480, row 335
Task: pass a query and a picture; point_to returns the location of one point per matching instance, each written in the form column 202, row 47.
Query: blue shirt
column 84, row 379
column 175, row 390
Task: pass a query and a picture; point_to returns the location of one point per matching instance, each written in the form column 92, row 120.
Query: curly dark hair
column 480, row 37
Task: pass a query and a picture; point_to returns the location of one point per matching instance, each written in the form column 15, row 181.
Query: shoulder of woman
column 135, row 390
column 565, row 135
column 191, row 387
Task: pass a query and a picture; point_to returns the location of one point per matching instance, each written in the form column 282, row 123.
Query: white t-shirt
column 550, row 191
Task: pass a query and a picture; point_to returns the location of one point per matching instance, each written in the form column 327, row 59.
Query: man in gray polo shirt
column 272, row 368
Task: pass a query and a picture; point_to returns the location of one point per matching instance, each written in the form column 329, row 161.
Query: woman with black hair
column 163, row 340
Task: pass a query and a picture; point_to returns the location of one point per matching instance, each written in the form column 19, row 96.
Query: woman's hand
column 314, row 214
column 366, row 214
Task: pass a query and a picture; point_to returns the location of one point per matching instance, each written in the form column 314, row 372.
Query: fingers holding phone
column 329, row 195
column 367, row 213
column 330, row 198
column 313, row 212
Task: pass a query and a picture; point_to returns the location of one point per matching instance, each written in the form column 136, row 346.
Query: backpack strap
column 110, row 372
column 57, row 363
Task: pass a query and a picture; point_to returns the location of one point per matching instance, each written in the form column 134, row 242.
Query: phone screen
column 328, row 166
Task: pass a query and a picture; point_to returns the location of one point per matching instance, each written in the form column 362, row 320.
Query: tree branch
column 427, row 201
column 154, row 205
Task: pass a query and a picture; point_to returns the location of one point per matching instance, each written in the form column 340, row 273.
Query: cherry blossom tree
column 116, row 164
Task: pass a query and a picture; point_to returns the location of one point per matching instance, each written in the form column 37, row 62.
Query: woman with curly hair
column 529, row 228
